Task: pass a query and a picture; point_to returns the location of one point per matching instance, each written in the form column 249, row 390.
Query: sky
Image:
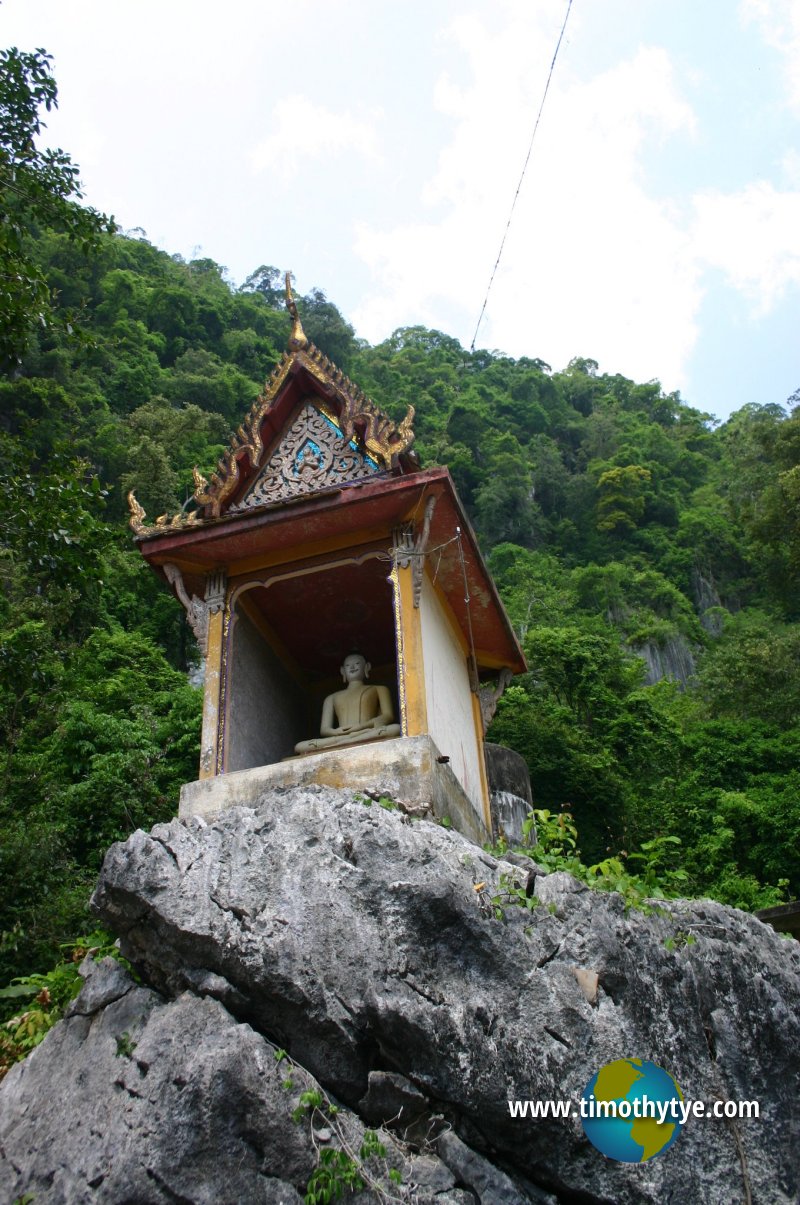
column 375, row 149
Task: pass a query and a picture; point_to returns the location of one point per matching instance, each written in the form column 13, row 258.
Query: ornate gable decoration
column 359, row 420
column 327, row 444
column 311, row 455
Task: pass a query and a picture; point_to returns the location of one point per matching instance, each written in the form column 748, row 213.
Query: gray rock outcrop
column 174, row 1100
column 510, row 792
column 672, row 657
column 368, row 947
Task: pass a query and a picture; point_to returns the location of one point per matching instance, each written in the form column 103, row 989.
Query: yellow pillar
column 209, row 740
column 410, row 664
column 479, row 735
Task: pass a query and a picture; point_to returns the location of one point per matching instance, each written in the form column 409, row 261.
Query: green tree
column 36, row 186
column 621, row 497
column 268, row 282
column 752, row 671
column 51, row 540
column 103, row 736
column 325, row 326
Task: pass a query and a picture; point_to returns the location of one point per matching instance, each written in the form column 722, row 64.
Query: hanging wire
column 440, row 549
column 467, row 600
column 522, row 177
column 397, row 553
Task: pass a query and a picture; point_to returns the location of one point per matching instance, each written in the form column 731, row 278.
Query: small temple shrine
column 351, row 633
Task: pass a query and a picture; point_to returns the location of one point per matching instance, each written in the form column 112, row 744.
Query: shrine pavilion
column 319, row 539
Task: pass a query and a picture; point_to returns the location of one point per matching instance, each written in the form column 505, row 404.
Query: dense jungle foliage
column 648, row 558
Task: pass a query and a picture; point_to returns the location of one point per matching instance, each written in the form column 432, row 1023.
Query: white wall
column 448, row 697
column 263, row 707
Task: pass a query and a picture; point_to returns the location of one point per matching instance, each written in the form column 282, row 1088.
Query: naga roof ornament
column 359, row 422
column 298, row 340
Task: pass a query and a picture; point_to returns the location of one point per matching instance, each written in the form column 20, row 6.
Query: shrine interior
column 289, row 633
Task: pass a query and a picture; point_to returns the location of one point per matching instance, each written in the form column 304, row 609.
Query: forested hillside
column 648, row 560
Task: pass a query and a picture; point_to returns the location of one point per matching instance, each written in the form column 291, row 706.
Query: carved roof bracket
column 410, row 549
column 490, row 696
column 403, row 545
column 421, row 548
column 197, row 609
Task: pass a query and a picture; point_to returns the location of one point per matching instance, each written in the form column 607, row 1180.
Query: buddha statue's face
column 354, row 668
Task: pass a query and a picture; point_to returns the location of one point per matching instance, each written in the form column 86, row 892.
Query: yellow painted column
column 479, row 734
column 212, row 691
column 410, row 661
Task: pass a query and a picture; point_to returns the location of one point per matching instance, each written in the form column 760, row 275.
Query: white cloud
column 592, row 265
column 595, row 264
column 778, row 22
column 790, row 166
column 304, row 130
column 387, row 173
column 753, row 236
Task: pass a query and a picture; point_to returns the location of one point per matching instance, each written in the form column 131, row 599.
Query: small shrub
column 49, row 994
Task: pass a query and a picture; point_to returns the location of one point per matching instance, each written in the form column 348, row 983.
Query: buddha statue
column 358, row 713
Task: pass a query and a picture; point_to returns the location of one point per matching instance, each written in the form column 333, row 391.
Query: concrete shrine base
column 405, row 769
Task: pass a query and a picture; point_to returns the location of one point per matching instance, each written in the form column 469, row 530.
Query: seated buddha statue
column 358, row 713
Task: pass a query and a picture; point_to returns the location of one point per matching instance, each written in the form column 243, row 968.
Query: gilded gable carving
column 358, row 440
column 312, row 455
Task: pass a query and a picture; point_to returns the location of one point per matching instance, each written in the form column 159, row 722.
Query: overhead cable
column 522, row 176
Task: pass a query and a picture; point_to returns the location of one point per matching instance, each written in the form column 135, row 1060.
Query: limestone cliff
column 355, row 939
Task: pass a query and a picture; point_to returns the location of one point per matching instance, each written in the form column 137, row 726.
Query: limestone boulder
column 390, row 958
column 137, row 1099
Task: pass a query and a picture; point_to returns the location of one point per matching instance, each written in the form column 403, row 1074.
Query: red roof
column 353, row 514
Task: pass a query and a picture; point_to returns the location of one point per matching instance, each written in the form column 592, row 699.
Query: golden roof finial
column 137, row 513
column 298, row 340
